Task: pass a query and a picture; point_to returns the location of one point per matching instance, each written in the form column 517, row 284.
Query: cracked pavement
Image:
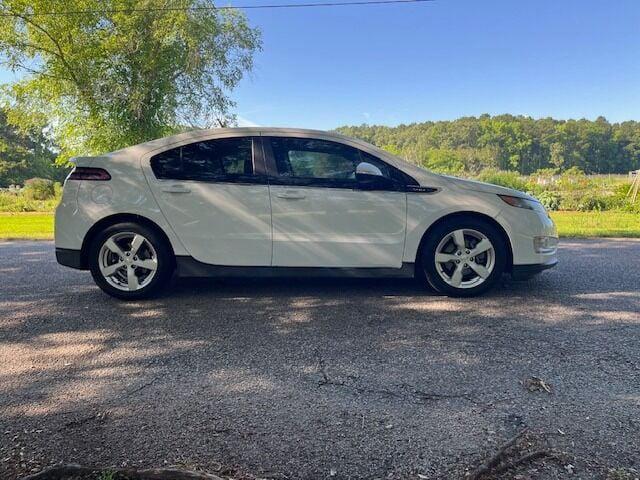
column 318, row 378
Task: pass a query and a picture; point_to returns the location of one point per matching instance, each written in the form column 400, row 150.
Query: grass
column 39, row 226
column 597, row 224
column 26, row 226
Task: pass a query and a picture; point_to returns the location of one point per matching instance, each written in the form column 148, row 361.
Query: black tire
column 428, row 252
column 164, row 256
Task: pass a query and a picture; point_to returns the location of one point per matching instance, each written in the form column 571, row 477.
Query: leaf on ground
column 536, row 384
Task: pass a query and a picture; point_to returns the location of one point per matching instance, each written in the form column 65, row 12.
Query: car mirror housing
column 365, row 171
column 369, row 176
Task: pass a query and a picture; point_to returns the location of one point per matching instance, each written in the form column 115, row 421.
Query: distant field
column 23, row 226
column 37, row 226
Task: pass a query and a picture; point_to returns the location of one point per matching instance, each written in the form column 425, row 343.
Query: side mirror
column 366, row 169
column 368, row 173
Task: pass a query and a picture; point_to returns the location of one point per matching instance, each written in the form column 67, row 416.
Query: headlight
column 522, row 202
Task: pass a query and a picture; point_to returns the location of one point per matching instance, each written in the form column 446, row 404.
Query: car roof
column 146, row 148
column 197, row 134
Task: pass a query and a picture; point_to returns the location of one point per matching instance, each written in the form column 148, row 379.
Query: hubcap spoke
column 111, row 269
column 456, row 278
column 481, row 247
column 445, row 257
column 132, row 279
column 111, row 245
column 136, row 243
column 458, row 239
column 150, row 264
column 479, row 269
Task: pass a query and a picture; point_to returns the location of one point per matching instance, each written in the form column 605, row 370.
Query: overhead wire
column 212, row 7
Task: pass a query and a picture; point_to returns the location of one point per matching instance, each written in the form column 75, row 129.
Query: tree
column 509, row 142
column 556, row 155
column 119, row 72
column 24, row 156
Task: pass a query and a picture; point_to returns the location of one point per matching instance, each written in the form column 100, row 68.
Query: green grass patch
column 26, row 226
column 597, row 224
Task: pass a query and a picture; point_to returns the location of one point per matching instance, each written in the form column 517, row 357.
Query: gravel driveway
column 311, row 379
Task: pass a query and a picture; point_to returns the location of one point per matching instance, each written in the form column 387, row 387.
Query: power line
column 213, row 7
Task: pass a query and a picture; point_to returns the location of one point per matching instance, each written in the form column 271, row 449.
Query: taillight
column 88, row 173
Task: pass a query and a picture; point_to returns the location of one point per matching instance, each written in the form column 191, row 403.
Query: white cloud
column 245, row 122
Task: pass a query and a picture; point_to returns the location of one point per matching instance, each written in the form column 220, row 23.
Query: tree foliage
column 122, row 71
column 25, row 155
column 508, row 142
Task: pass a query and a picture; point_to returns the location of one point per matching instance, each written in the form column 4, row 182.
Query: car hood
column 428, row 179
column 483, row 187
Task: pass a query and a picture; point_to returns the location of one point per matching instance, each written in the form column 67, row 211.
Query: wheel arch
column 467, row 214
column 112, row 220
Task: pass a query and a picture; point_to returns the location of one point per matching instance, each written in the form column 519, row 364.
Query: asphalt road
column 311, row 379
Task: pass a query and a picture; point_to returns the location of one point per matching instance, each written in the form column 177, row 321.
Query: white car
column 271, row 201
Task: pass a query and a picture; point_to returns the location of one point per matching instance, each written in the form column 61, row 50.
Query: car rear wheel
column 464, row 257
column 130, row 261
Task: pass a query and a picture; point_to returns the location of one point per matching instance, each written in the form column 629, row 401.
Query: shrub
column 573, row 172
column 623, row 201
column 550, row 200
column 16, row 201
column 592, row 202
column 545, row 172
column 503, row 178
column 39, row 189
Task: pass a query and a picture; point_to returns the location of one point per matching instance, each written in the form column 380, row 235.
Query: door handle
column 291, row 195
column 176, row 189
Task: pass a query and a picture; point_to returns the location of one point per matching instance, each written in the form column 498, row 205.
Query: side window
column 225, row 159
column 320, row 160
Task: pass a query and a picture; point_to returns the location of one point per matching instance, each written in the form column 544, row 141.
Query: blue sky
column 391, row 64
column 321, row 68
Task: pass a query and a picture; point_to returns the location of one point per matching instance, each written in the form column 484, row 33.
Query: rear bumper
column 522, row 272
column 69, row 258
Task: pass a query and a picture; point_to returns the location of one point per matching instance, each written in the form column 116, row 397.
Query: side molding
column 190, row 267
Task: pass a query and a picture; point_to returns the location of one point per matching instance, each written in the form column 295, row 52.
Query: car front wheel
column 464, row 257
column 130, row 261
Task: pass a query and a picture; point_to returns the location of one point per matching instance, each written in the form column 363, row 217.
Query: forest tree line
column 464, row 146
column 508, row 142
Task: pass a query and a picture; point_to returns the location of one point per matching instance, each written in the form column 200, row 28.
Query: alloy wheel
column 128, row 261
column 465, row 258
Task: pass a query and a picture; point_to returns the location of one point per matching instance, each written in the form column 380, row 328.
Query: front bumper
column 70, row 258
column 523, row 272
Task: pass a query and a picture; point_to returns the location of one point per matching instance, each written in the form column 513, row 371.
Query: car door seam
column 141, row 165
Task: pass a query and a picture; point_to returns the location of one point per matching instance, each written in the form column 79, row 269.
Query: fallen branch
column 429, row 396
column 82, row 421
column 325, row 376
column 522, row 460
column 497, row 458
column 61, row 472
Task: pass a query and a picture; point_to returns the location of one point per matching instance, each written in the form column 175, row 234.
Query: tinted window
column 319, row 159
column 222, row 160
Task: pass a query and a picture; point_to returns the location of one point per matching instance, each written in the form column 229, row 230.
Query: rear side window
column 225, row 159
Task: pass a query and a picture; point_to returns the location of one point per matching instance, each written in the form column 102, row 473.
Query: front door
column 321, row 218
column 214, row 201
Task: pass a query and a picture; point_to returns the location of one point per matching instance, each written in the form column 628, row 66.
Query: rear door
column 321, row 217
column 216, row 200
